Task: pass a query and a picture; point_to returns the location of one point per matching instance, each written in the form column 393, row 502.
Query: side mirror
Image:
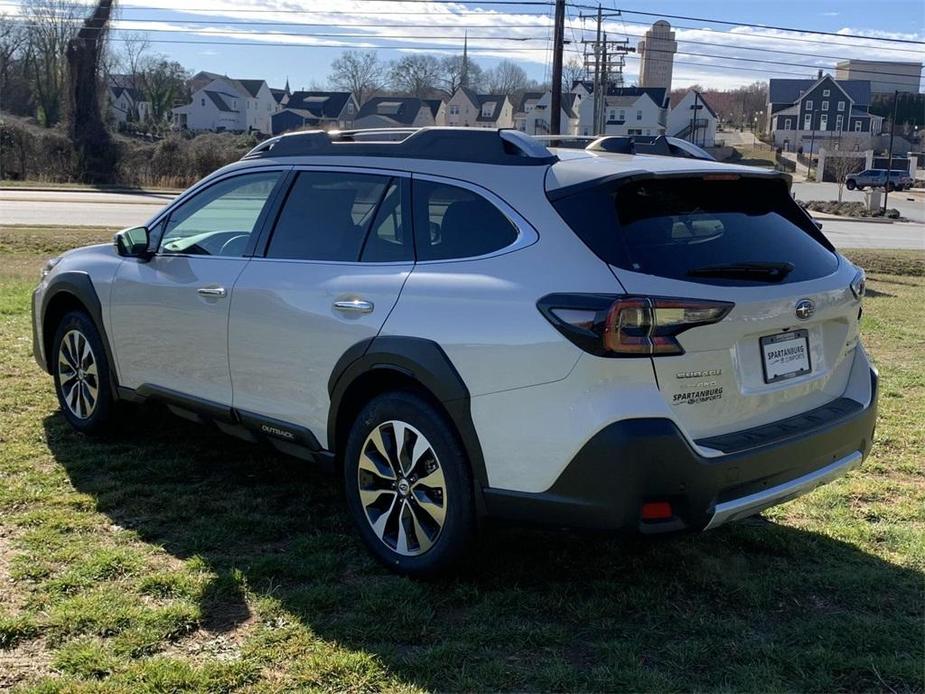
column 132, row 243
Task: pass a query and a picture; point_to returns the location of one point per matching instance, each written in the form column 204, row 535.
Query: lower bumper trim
column 753, row 503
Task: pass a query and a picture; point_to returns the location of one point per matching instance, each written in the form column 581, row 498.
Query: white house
column 699, row 129
column 125, row 101
column 538, row 120
column 226, row 104
column 468, row 109
column 627, row 111
column 522, row 111
column 399, row 112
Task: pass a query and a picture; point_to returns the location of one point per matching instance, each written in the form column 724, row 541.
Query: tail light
column 628, row 326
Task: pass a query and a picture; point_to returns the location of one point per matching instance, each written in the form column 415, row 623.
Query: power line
column 753, row 48
column 756, row 26
column 727, row 58
column 303, row 46
column 797, row 39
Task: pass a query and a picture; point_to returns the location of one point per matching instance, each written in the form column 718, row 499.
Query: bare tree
column 452, row 68
column 506, row 77
column 359, row 73
column 130, row 62
column 573, row 71
column 162, row 83
column 415, row 75
column 51, row 25
column 845, row 161
column 12, row 39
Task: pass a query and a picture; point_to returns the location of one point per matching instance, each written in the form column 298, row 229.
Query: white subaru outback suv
column 475, row 326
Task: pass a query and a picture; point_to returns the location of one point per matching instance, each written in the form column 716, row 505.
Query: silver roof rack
column 473, row 145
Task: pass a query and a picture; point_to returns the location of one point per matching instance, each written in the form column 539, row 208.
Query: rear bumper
column 631, row 462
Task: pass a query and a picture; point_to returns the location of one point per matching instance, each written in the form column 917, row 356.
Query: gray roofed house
column 399, row 112
column 221, row 100
column 126, row 103
column 317, row 109
column 466, row 108
column 627, row 111
column 803, row 114
column 223, row 103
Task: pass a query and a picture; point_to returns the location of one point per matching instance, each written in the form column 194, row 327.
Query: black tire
column 450, row 541
column 74, row 392
column 850, row 185
column 890, row 187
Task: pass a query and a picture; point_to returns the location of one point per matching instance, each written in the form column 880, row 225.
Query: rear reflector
column 656, row 510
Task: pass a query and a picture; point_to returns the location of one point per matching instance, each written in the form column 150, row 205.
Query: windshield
column 715, row 230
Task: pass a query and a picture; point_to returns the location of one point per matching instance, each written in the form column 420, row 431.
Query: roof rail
column 661, row 145
column 473, row 145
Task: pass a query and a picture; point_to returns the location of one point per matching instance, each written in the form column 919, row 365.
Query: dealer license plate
column 785, row 355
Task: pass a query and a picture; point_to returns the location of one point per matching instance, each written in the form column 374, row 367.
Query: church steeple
column 286, row 89
column 464, row 73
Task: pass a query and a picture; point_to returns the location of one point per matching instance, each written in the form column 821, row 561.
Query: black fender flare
column 425, row 362
column 79, row 285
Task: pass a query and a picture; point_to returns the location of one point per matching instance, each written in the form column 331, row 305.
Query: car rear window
column 692, row 228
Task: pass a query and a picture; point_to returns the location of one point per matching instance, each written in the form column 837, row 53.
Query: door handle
column 354, row 306
column 218, row 292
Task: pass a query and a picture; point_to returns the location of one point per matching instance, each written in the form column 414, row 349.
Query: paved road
column 910, row 203
column 124, row 210
column 78, row 208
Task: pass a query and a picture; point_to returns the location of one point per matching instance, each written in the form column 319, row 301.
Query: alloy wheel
column 78, row 376
column 402, row 488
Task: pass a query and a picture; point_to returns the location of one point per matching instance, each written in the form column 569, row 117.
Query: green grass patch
column 172, row 558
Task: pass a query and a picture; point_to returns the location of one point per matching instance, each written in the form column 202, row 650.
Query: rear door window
column 452, row 222
column 328, row 215
column 717, row 231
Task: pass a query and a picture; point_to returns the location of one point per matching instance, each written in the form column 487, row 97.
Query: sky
column 296, row 40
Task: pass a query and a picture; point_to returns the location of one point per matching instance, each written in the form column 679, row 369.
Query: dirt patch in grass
column 900, row 263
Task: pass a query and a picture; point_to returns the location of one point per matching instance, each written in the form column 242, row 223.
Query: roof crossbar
column 477, row 146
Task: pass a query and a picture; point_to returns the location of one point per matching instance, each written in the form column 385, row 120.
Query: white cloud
column 369, row 25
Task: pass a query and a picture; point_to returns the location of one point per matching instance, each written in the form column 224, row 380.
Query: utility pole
column 598, row 65
column 558, row 38
column 694, row 108
column 604, row 50
column 889, row 167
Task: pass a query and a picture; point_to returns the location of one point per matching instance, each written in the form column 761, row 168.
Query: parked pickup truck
column 877, row 178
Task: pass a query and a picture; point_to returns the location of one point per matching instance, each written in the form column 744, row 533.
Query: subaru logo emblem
column 804, row 309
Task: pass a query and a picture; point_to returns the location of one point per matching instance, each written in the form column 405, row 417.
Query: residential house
column 325, row 110
column 125, row 101
column 627, row 111
column 526, row 104
column 399, row 112
column 538, row 121
column 281, row 96
column 470, row 110
column 227, row 104
column 807, row 113
column 682, row 121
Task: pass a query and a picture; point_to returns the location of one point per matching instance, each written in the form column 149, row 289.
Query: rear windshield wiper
column 772, row 272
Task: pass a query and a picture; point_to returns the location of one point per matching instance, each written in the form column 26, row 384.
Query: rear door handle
column 218, row 292
column 354, row 306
